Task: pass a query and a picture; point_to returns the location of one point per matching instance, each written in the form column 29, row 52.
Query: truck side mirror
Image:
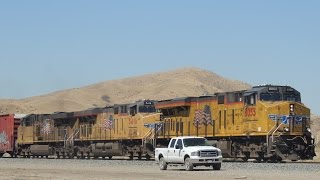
column 177, row 146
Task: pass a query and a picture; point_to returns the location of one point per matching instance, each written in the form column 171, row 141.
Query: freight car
column 9, row 124
column 101, row 132
column 264, row 123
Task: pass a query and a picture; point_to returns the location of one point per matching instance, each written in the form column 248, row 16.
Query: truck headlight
column 196, row 153
column 219, row 153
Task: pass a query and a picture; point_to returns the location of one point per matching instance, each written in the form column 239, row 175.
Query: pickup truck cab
column 189, row 151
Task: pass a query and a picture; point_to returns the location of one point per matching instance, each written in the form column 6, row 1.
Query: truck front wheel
column 188, row 164
column 216, row 166
column 162, row 163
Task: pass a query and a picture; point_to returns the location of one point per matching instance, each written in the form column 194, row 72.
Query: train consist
column 266, row 123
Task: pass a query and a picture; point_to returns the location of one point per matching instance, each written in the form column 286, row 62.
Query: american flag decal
column 207, row 116
column 198, row 118
column 203, row 117
column 108, row 123
column 46, row 126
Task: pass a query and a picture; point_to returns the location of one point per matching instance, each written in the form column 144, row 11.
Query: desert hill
column 163, row 85
column 315, row 127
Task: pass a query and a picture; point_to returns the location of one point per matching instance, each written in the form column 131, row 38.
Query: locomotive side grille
column 208, row 153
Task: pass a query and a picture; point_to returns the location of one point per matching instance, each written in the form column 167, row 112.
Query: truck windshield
column 195, row 142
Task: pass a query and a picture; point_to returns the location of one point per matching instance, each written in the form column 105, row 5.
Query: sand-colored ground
column 141, row 170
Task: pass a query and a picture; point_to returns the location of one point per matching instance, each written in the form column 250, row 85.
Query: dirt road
column 142, row 170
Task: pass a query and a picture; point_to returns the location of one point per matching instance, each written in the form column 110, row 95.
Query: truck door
column 178, row 152
column 171, row 150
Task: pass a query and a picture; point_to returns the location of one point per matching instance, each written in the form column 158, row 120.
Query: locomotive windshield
column 270, row 97
column 147, row 107
column 279, row 93
column 292, row 97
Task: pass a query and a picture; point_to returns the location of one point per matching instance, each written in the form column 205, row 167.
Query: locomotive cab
column 284, row 119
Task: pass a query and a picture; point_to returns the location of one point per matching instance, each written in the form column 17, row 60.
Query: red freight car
column 8, row 132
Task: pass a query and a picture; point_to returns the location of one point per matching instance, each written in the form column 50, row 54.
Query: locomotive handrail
column 150, row 115
column 275, row 131
column 269, row 133
column 150, row 134
column 70, row 139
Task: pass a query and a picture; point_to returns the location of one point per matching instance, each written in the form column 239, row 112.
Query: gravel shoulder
column 125, row 169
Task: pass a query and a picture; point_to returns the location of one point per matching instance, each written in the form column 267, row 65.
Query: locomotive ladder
column 273, row 130
column 69, row 141
column 150, row 136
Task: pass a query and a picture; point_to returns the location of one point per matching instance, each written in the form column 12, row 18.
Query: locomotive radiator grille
column 208, row 153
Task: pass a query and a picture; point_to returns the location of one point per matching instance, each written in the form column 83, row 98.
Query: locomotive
column 100, row 132
column 266, row 123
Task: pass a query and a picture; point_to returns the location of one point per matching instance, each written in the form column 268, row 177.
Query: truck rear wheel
column 188, row 164
column 162, row 163
column 216, row 166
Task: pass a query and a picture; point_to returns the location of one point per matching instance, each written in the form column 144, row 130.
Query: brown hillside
column 177, row 83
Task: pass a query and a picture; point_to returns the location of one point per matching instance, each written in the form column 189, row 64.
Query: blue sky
column 47, row 46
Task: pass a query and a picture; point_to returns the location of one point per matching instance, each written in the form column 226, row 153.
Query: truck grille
column 208, row 153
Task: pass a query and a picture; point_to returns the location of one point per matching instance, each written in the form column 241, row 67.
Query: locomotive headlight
column 196, row 153
column 291, row 107
column 309, row 130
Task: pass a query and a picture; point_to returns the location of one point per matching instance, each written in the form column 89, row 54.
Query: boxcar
column 9, row 124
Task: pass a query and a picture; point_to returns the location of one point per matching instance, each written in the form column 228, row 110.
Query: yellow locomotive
column 265, row 123
column 101, row 132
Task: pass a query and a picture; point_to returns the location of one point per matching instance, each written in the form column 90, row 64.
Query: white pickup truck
column 189, row 151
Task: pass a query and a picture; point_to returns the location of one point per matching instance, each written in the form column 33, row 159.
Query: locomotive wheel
column 70, row 156
column 148, row 156
column 245, row 159
column 260, row 157
column 275, row 159
column 131, row 156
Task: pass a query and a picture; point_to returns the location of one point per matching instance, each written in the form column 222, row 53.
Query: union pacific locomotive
column 266, row 123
